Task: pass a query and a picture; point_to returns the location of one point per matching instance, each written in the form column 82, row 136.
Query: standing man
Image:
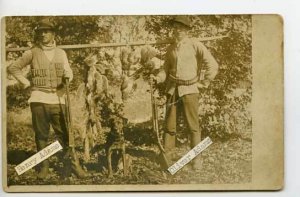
column 185, row 58
column 49, row 70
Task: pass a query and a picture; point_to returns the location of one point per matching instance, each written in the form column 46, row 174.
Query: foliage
column 17, row 97
column 228, row 108
column 224, row 106
column 222, row 163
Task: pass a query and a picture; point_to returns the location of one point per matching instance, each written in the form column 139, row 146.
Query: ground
column 225, row 162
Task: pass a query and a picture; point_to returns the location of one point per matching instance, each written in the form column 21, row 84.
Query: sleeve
column 162, row 75
column 15, row 69
column 68, row 73
column 209, row 64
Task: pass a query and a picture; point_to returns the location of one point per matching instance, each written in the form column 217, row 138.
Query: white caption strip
column 38, row 157
column 190, row 155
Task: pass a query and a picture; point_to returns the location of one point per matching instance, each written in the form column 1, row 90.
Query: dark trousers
column 44, row 115
column 188, row 104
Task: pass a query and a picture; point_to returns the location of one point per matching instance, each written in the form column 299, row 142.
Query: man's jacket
column 183, row 63
column 48, row 66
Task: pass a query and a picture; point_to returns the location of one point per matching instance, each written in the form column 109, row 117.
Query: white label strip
column 38, row 157
column 190, row 155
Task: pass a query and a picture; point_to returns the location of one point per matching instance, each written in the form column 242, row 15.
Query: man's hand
column 61, row 92
column 153, row 79
column 68, row 75
column 26, row 85
column 22, row 80
column 25, row 82
column 203, row 84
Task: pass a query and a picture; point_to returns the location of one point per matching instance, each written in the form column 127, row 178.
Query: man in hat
column 185, row 58
column 49, row 70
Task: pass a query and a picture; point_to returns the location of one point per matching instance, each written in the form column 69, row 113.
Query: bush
column 224, row 106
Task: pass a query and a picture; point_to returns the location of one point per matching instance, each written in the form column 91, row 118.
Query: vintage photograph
column 125, row 100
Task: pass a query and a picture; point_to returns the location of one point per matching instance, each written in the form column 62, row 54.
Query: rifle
column 164, row 162
column 70, row 150
column 68, row 117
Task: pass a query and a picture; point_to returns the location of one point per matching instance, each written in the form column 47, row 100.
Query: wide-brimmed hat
column 183, row 20
column 45, row 24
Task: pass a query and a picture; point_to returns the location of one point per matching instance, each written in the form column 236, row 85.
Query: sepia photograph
column 142, row 102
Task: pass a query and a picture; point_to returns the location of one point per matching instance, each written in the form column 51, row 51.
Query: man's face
column 180, row 31
column 46, row 36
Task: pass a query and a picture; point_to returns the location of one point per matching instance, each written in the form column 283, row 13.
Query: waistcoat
column 47, row 74
column 172, row 70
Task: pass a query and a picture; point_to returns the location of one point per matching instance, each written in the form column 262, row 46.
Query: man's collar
column 183, row 41
column 49, row 46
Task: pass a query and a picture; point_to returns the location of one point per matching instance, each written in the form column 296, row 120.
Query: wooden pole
column 100, row 45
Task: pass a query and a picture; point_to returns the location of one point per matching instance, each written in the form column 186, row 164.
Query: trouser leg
column 171, row 116
column 191, row 106
column 59, row 124
column 70, row 160
column 41, row 126
column 170, row 131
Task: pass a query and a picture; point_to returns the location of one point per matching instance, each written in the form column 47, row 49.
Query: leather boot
column 169, row 140
column 169, row 145
column 73, row 165
column 197, row 161
column 44, row 170
column 44, row 165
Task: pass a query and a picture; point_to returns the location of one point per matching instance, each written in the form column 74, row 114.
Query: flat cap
column 45, row 24
column 184, row 20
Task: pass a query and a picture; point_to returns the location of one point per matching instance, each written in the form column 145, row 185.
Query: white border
column 289, row 9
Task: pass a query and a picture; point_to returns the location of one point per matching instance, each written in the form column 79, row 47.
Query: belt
column 183, row 82
column 45, row 89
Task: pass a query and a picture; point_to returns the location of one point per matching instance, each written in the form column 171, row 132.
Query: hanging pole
column 120, row 44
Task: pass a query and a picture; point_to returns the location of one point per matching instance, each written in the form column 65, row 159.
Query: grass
column 224, row 162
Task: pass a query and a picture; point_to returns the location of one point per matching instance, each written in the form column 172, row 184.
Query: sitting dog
column 115, row 142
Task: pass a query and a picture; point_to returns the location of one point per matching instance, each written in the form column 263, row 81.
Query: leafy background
column 224, row 111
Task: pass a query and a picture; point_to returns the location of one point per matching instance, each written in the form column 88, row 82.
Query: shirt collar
column 182, row 42
column 49, row 46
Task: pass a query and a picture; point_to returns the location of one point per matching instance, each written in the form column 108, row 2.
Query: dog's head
column 116, row 124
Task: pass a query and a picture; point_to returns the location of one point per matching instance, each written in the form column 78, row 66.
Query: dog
column 115, row 142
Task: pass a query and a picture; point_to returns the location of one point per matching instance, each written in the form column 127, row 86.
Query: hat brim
column 45, row 28
column 182, row 24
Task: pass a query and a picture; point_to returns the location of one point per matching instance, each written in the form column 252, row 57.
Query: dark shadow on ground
column 15, row 157
column 101, row 165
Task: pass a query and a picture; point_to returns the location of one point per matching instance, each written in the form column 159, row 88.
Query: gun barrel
column 155, row 118
column 69, row 116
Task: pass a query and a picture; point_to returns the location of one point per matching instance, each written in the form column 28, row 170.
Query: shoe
column 44, row 165
column 44, row 171
column 77, row 170
column 196, row 164
column 164, row 161
column 72, row 165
